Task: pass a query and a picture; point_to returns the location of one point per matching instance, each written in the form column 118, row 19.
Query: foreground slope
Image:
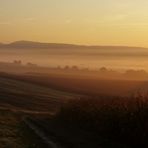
column 25, row 96
column 19, row 99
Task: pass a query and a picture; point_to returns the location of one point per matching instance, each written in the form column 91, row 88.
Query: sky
column 91, row 22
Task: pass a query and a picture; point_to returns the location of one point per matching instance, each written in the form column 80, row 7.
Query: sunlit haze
column 95, row 22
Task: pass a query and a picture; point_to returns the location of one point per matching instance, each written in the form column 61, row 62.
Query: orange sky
column 107, row 22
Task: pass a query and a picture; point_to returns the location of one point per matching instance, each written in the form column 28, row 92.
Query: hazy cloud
column 29, row 19
column 5, row 23
column 68, row 21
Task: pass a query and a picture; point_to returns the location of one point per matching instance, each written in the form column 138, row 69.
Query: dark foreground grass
column 118, row 122
column 14, row 133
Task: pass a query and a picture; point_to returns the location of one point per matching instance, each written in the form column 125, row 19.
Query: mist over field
column 93, row 57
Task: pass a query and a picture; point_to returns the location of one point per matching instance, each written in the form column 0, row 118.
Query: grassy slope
column 83, row 85
column 18, row 99
column 89, row 86
column 20, row 95
column 31, row 97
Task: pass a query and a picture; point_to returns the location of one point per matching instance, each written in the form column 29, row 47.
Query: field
column 72, row 112
column 19, row 99
column 79, row 84
column 25, row 96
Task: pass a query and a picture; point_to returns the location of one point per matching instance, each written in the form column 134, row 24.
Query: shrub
column 124, row 120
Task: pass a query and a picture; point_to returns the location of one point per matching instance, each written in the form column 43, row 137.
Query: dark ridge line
column 33, row 44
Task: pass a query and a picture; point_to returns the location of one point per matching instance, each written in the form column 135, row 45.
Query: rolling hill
column 26, row 97
column 31, row 44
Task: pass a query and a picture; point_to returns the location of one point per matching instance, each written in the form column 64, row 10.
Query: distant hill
column 30, row 44
column 36, row 45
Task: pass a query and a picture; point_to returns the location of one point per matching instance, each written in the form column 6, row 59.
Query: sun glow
column 107, row 22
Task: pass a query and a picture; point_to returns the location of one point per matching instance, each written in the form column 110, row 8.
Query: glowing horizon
column 87, row 22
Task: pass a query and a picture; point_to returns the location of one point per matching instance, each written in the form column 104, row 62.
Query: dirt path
column 46, row 140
